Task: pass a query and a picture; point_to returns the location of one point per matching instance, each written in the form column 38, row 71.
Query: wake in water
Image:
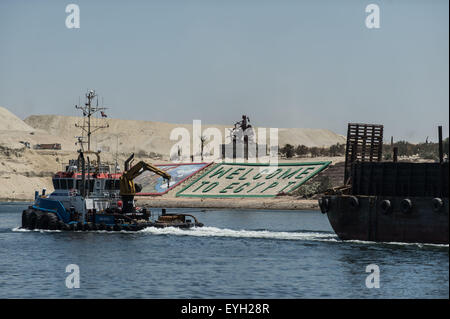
column 232, row 233
column 224, row 232
column 210, row 232
column 23, row 230
column 302, row 235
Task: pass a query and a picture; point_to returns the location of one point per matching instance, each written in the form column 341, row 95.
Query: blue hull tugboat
column 91, row 197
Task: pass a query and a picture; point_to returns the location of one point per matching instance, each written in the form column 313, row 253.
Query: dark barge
column 388, row 201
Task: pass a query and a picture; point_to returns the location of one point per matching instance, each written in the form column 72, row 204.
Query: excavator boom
column 127, row 186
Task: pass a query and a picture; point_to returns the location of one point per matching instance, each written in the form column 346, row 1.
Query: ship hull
column 40, row 218
column 388, row 219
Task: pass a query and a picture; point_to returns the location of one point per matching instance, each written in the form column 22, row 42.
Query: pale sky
column 310, row 64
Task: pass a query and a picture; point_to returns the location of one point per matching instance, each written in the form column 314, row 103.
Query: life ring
column 324, row 204
column 406, row 206
column 437, row 204
column 386, row 206
column 354, row 202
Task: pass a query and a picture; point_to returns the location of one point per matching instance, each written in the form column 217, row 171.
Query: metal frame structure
column 364, row 144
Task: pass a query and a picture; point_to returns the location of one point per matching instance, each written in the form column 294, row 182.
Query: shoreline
column 214, row 203
column 230, row 203
column 16, row 200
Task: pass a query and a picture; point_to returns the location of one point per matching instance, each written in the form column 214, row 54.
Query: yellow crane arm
column 127, row 186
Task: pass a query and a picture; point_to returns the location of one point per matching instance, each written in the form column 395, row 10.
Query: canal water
column 238, row 254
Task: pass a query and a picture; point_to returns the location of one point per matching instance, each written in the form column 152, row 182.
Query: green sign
column 252, row 180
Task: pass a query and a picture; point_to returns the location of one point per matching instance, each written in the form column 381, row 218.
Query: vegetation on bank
column 311, row 189
column 426, row 150
column 290, row 151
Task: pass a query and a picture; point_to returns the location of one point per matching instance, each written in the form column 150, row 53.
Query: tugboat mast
column 88, row 111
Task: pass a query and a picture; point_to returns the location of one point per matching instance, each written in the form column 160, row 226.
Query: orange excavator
column 128, row 188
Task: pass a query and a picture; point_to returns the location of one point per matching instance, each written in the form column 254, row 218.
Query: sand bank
column 285, row 203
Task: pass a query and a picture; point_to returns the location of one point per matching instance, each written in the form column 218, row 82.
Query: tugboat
column 91, row 197
column 388, row 201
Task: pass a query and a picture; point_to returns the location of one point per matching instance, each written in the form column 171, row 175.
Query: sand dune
column 148, row 136
column 9, row 121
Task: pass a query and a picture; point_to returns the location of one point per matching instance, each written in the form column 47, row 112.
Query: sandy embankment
column 277, row 203
column 24, row 170
column 283, row 203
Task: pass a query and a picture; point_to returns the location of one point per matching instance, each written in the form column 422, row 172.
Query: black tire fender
column 32, row 221
column 386, row 206
column 324, row 204
column 53, row 222
column 42, row 221
column 406, row 205
column 354, row 202
column 25, row 218
column 61, row 225
column 80, row 226
column 437, row 204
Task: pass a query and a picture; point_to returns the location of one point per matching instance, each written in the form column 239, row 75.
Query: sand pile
column 9, row 121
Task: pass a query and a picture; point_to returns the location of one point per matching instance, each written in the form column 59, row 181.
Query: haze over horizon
column 311, row 64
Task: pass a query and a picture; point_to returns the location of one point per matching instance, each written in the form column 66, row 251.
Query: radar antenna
column 87, row 126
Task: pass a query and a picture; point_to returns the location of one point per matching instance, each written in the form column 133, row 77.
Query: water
column 239, row 254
